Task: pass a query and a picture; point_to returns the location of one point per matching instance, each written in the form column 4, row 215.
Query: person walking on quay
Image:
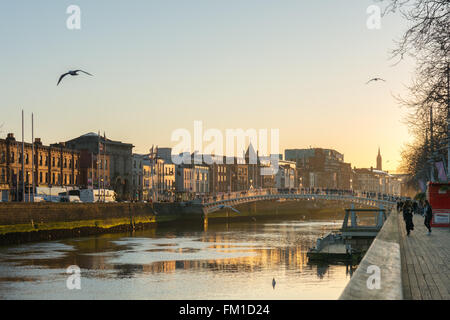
column 415, row 207
column 400, row 206
column 428, row 216
column 408, row 217
column 420, row 207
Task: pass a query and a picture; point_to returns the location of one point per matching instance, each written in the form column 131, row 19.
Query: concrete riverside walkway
column 425, row 261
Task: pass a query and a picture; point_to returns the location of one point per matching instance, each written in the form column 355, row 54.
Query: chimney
column 37, row 141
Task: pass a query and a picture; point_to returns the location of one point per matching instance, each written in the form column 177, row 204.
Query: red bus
column 438, row 194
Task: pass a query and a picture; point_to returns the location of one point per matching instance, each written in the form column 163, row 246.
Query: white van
column 97, row 195
column 69, row 196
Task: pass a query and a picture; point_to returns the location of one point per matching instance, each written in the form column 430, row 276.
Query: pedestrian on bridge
column 408, row 216
column 428, row 216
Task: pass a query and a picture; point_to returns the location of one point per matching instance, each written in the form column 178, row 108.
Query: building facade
column 152, row 179
column 321, row 168
column 239, row 179
column 219, row 178
column 286, row 177
column 54, row 165
column 167, row 187
column 94, row 170
column 376, row 181
column 192, row 179
column 120, row 159
column 137, row 177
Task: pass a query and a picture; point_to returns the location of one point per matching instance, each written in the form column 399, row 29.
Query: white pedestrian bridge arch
column 212, row 204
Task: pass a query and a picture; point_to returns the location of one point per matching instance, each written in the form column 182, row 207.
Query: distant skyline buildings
column 92, row 161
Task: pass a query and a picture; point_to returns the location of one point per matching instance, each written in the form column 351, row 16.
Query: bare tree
column 427, row 40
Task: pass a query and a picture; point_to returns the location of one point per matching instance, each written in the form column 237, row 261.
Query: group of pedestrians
column 409, row 207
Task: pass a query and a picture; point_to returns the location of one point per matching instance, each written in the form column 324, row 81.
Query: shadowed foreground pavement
column 425, row 261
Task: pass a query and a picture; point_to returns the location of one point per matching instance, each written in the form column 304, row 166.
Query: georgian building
column 321, row 168
column 219, row 181
column 120, row 159
column 286, row 177
column 239, row 179
column 376, row 181
column 94, row 170
column 137, row 176
column 152, row 179
column 167, row 187
column 192, row 178
column 54, row 165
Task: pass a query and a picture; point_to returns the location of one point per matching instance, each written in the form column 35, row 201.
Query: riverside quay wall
column 381, row 264
column 27, row 222
column 48, row 221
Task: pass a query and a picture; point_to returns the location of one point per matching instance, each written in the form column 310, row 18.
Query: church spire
column 379, row 160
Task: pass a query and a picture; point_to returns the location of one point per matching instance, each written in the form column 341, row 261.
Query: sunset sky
column 299, row 66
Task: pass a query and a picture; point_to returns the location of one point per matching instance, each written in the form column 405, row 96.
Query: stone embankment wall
column 381, row 265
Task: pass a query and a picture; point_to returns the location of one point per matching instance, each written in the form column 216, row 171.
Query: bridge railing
column 272, row 193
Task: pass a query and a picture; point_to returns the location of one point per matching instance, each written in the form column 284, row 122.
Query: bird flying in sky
column 72, row 73
column 375, row 79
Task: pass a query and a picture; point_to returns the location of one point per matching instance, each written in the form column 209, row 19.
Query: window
column 26, row 159
column 3, row 157
column 65, row 162
column 40, row 177
column 12, row 156
column 40, row 159
column 53, row 163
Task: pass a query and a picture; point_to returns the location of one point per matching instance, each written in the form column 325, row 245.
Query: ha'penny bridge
column 212, row 204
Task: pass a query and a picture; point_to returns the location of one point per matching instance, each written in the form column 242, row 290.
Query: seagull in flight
column 274, row 283
column 72, row 73
column 375, row 79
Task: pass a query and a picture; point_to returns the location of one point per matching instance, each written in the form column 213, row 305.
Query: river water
column 235, row 260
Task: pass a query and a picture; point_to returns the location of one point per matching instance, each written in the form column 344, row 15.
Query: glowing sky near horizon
column 300, row 66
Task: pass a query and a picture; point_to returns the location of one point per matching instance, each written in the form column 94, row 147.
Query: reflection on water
column 224, row 261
